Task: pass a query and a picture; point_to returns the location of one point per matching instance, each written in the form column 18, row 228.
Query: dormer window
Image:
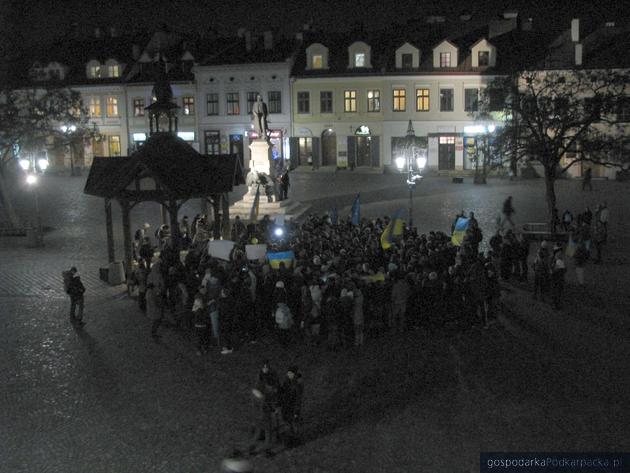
column 407, row 57
column 95, row 71
column 484, row 58
column 445, row 59
column 316, row 57
column 113, row 70
column 359, row 55
column 359, row 60
column 407, row 61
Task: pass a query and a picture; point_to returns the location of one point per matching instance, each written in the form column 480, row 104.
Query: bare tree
column 30, row 117
column 560, row 119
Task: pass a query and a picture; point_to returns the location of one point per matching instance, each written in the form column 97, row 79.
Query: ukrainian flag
column 356, row 210
column 285, row 257
column 460, row 231
column 253, row 214
column 393, row 229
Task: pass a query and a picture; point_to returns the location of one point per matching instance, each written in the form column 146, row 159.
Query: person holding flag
column 356, row 210
column 393, row 229
column 459, row 232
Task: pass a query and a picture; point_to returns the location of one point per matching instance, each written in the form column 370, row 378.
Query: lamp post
column 29, row 166
column 412, row 162
column 68, row 130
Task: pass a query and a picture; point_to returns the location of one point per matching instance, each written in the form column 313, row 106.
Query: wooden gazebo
column 166, row 170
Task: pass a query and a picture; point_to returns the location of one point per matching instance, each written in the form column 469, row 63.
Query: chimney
column 575, row 30
column 135, row 52
column 248, row 41
column 578, row 54
column 268, row 40
column 97, row 32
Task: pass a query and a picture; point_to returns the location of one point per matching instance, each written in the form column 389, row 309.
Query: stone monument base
column 291, row 209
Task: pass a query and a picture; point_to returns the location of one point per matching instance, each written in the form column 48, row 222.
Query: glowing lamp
column 31, row 179
column 421, row 162
column 25, row 164
column 491, row 128
column 400, row 163
column 278, row 232
column 43, row 164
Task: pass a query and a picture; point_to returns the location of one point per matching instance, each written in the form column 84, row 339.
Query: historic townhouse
column 228, row 82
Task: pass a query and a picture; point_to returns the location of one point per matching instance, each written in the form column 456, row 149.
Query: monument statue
column 259, row 111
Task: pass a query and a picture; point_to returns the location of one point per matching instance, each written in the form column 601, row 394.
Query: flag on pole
column 459, row 232
column 393, row 229
column 356, row 210
column 253, row 214
column 334, row 215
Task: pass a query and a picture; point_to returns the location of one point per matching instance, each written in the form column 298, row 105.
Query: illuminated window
column 359, row 60
column 233, row 104
column 400, row 100
column 95, row 72
column 212, row 104
column 471, row 100
column 138, row 107
column 275, row 102
column 95, row 106
column 114, row 70
column 446, row 100
column 303, row 102
column 374, row 100
column 447, row 140
column 189, row 105
column 251, row 100
column 114, row 145
column 112, row 106
column 422, row 100
column 213, row 142
column 325, row 102
column 318, row 61
column 407, row 61
column 445, row 59
column 350, row 101
column 484, row 58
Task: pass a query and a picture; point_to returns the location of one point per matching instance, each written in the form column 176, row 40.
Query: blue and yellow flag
column 285, row 257
column 253, row 214
column 356, row 210
column 460, row 231
column 334, row 215
column 393, row 229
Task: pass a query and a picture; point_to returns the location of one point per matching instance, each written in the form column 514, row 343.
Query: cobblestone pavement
column 107, row 399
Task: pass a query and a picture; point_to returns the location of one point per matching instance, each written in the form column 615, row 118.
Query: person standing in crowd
column 284, row 185
column 226, row 304
column 603, row 215
column 141, row 279
column 358, row 318
column 541, row 273
column 586, row 180
column 291, row 393
column 76, row 291
column 580, row 257
column 558, row 271
column 154, row 311
column 599, row 240
column 508, row 211
column 399, row 297
column 200, row 322
column 523, row 255
column 567, row 220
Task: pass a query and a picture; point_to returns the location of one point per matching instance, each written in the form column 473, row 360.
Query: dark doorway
column 446, row 153
column 329, row 148
column 364, row 144
column 236, row 147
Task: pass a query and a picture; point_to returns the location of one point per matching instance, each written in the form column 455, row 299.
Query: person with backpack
column 541, row 273
column 75, row 289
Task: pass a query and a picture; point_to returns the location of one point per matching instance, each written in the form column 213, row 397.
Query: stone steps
column 291, row 209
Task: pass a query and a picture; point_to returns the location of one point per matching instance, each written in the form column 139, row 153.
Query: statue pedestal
column 260, row 156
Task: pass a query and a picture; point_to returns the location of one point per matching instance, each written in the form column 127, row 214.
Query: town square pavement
column 108, row 399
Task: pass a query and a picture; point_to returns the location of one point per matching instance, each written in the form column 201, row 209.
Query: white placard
column 220, row 249
column 256, row 252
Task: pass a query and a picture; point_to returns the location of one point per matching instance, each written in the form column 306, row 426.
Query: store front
column 446, row 153
column 363, row 148
column 329, row 148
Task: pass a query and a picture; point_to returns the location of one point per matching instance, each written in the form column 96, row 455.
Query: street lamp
column 31, row 180
column 412, row 156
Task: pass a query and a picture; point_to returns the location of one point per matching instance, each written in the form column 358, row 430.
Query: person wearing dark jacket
column 291, row 393
column 76, row 291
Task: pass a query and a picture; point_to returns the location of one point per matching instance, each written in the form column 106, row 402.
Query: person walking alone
column 75, row 291
column 508, row 211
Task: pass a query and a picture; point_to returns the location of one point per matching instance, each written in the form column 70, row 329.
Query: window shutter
column 375, row 151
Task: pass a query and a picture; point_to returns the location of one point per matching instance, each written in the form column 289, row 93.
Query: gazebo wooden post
column 225, row 224
column 126, row 221
column 163, row 216
column 111, row 252
column 175, row 236
column 203, row 203
column 216, row 228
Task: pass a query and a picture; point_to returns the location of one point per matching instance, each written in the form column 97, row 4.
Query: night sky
column 27, row 23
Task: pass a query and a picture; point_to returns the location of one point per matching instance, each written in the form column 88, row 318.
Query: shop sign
column 363, row 130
